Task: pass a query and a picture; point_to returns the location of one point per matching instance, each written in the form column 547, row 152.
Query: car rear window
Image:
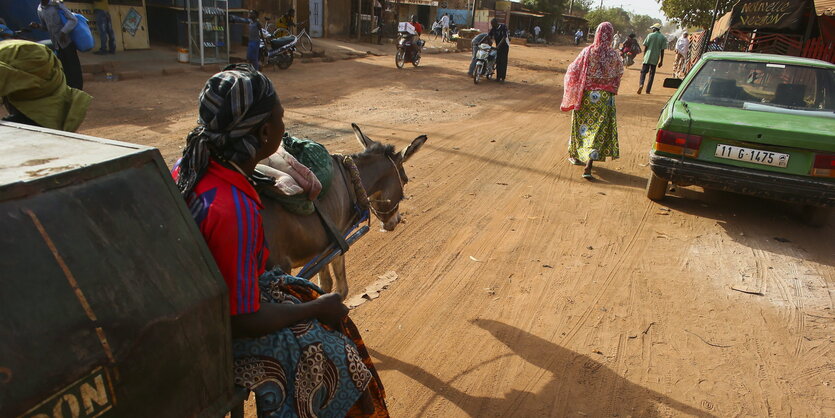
column 761, row 86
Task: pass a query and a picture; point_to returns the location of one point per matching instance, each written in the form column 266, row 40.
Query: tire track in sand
column 569, row 336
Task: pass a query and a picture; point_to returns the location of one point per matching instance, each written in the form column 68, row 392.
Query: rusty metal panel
column 110, row 302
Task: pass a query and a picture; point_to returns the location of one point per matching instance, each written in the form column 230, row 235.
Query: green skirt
column 594, row 128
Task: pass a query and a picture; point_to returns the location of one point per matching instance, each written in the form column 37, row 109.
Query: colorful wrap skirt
column 594, row 128
column 307, row 370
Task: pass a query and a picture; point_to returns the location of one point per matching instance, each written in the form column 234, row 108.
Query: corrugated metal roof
column 825, row 7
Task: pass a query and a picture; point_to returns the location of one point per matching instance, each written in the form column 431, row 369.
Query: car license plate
column 751, row 155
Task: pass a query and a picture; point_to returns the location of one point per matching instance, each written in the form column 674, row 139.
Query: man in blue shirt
column 253, row 49
column 104, row 24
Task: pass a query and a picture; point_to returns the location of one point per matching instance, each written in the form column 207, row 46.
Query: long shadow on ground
column 579, row 385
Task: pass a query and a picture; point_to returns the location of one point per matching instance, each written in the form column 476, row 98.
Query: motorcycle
column 485, row 63
column 277, row 51
column 408, row 49
column 628, row 57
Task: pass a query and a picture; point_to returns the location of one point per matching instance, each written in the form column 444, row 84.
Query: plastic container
column 182, row 55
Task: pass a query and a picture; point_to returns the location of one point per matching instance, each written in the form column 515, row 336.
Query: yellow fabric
column 284, row 22
column 101, row 5
column 32, row 80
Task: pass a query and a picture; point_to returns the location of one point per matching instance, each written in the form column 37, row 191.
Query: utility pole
column 709, row 31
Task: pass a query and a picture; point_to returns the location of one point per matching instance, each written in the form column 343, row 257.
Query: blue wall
column 18, row 14
column 461, row 17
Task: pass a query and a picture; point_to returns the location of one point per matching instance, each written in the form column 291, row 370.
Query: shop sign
column 770, row 15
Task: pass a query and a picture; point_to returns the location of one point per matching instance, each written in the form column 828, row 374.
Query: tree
column 554, row 7
column 579, row 7
column 623, row 21
column 641, row 23
column 618, row 17
column 694, row 13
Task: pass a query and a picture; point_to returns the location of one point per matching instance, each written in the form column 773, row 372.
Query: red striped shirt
column 228, row 211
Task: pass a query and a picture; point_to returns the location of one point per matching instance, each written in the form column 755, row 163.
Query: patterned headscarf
column 599, row 65
column 233, row 104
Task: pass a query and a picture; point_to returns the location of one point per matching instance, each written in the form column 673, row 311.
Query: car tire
column 815, row 215
column 656, row 187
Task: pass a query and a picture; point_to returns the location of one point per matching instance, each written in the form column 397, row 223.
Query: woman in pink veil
column 591, row 84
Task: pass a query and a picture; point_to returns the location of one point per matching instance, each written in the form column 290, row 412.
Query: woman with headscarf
column 34, row 88
column 294, row 345
column 591, row 84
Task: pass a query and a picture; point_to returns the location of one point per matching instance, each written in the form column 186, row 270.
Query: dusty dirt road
column 527, row 291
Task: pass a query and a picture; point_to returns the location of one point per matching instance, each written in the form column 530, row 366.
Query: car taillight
column 678, row 143
column 824, row 165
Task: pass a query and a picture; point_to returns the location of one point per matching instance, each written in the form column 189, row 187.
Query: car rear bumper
column 784, row 187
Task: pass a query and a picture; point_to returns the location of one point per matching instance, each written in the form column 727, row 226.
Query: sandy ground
column 525, row 290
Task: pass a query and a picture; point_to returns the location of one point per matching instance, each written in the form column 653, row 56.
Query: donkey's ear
column 413, row 147
column 364, row 140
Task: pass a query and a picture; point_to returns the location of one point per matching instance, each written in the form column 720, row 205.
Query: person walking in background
column 34, row 89
column 445, row 27
column 578, row 36
column 630, row 50
column 501, row 37
column 654, row 46
column 253, row 47
column 591, row 83
column 436, row 29
column 49, row 13
column 101, row 11
column 536, row 30
column 682, row 48
column 616, row 41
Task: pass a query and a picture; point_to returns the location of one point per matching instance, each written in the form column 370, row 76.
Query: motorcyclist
column 630, row 49
column 418, row 43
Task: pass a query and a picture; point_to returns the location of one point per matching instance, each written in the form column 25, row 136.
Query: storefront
column 129, row 17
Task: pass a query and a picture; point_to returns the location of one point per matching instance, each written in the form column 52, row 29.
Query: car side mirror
column 672, row 83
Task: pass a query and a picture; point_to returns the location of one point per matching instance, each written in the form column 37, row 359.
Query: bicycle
column 303, row 40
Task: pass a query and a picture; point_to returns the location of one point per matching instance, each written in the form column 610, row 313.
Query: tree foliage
column 623, row 21
column 579, row 7
column 694, row 13
column 555, row 7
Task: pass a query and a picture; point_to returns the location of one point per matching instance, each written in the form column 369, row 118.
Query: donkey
column 296, row 239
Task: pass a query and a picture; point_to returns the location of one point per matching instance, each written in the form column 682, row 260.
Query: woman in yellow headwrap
column 34, row 89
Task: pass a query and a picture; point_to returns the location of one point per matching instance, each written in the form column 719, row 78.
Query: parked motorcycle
column 485, row 62
column 278, row 51
column 408, row 49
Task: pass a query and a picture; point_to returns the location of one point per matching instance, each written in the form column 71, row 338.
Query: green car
column 756, row 124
